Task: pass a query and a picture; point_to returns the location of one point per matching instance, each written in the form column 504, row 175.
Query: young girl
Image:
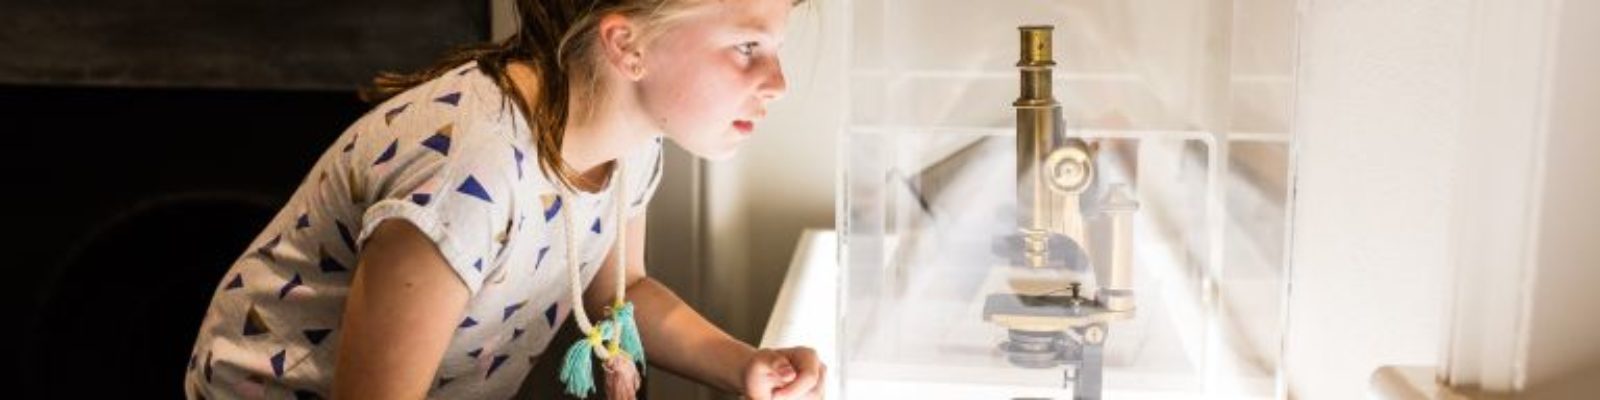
column 440, row 242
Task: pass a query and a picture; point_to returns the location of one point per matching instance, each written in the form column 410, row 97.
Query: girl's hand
column 622, row 377
column 784, row 374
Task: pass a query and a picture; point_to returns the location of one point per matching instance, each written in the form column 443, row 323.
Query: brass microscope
column 1054, row 314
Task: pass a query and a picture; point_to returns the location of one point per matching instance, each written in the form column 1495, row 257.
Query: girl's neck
column 597, row 132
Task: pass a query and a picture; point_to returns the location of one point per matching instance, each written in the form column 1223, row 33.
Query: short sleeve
column 458, row 194
column 644, row 175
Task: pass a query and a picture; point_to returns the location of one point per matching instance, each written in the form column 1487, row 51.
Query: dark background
column 277, row 44
column 147, row 141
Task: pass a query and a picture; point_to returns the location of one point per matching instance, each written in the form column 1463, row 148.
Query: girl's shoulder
column 460, row 111
column 461, row 92
column 446, row 156
column 456, row 129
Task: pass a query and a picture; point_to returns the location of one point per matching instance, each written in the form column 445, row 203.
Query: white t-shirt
column 453, row 157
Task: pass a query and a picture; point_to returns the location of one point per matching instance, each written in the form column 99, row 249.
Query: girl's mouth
column 744, row 126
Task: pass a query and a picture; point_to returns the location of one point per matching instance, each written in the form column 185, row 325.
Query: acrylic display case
column 1184, row 108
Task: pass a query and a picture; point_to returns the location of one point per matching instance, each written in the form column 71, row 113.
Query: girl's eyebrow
column 755, row 24
column 758, row 28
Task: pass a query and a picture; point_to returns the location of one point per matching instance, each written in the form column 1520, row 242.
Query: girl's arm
column 675, row 336
column 403, row 308
column 679, row 339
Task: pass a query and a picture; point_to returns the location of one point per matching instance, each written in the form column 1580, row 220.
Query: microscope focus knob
column 1094, row 335
column 1068, row 169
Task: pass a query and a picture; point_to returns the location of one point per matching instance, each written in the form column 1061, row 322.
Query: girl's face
column 709, row 77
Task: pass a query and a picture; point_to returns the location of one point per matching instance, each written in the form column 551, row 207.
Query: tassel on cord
column 578, row 369
column 610, row 338
column 630, row 334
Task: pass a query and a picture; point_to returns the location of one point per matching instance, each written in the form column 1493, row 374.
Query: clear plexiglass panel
column 1186, row 109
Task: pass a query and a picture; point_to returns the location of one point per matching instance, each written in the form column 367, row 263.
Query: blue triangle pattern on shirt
column 468, row 323
column 346, row 237
column 512, row 310
column 495, row 365
column 208, row 366
column 451, row 99
column 438, row 142
column 517, row 153
column 352, row 144
column 388, row 153
column 253, row 324
column 550, row 314
column 421, row 199
column 542, row 251
column 555, row 207
column 237, row 282
column 517, row 333
column 503, row 246
column 303, row 222
column 293, row 283
column 277, row 362
column 475, row 352
column 388, row 117
column 266, row 250
column 315, row 336
column 472, row 188
column 478, row 265
column 329, row 264
column 596, row 227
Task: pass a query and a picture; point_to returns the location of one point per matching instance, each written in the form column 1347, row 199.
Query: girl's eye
column 746, row 48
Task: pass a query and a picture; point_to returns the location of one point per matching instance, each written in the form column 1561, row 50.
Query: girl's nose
column 774, row 86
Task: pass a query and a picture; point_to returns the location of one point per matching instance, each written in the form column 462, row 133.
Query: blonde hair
column 559, row 39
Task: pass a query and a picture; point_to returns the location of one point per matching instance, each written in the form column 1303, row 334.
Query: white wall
column 1407, row 111
column 1563, row 324
column 1379, row 94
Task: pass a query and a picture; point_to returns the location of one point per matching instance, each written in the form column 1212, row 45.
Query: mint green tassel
column 578, row 370
column 630, row 335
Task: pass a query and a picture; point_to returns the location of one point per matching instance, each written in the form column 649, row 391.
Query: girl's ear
column 620, row 45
